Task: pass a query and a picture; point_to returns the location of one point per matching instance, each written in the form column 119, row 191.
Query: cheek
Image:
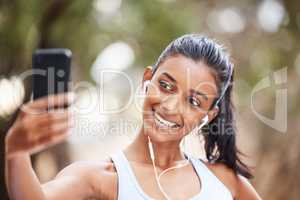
column 153, row 96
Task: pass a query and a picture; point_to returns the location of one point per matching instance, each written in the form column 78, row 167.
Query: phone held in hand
column 51, row 71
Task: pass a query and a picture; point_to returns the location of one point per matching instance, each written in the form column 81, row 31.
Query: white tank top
column 128, row 187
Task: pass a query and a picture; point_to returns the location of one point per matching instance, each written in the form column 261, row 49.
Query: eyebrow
column 169, row 76
column 200, row 94
column 192, row 90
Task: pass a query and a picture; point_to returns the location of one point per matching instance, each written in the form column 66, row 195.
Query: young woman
column 188, row 89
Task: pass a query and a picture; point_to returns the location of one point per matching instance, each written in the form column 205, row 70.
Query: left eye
column 165, row 85
column 193, row 101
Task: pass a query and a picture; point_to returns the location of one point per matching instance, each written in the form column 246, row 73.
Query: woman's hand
column 37, row 128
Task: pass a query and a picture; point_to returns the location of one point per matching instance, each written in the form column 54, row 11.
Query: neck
column 166, row 153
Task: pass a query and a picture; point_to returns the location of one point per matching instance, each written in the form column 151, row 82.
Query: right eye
column 165, row 85
column 194, row 102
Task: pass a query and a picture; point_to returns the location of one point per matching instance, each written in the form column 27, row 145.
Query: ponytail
column 220, row 137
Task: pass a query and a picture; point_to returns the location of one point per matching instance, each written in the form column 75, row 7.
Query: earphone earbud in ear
column 203, row 121
column 146, row 83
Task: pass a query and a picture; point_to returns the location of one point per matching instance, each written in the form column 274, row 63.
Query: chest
column 182, row 183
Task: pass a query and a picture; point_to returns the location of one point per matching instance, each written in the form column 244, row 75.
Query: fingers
column 34, row 140
column 34, row 125
column 51, row 101
column 34, row 129
column 49, row 135
column 50, row 140
column 48, row 118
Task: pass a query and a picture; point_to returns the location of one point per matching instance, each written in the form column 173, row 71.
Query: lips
column 163, row 122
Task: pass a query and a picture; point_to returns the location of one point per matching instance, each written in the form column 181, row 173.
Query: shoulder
column 246, row 190
column 88, row 168
column 238, row 185
column 225, row 175
column 98, row 175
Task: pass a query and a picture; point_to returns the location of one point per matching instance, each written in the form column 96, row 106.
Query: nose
column 171, row 104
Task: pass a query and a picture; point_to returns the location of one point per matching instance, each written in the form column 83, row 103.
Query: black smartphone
column 51, row 71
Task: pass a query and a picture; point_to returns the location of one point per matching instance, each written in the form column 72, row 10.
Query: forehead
column 189, row 74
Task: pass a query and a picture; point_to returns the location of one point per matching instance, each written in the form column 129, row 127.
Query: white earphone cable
column 152, row 156
column 157, row 177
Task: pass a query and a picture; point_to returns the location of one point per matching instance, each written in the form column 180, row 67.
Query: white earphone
column 203, row 121
column 158, row 176
column 146, row 83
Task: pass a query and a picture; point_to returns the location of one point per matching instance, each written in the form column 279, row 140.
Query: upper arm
column 73, row 182
column 245, row 190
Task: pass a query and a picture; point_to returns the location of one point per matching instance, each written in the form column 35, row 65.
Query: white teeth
column 163, row 122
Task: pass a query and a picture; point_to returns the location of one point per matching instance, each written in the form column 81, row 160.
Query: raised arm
column 36, row 129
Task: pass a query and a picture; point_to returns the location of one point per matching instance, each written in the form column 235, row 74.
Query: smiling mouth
column 164, row 123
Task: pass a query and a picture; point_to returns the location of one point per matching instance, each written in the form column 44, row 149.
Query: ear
column 213, row 113
column 147, row 74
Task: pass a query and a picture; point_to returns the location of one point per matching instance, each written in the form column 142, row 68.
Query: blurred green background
column 127, row 35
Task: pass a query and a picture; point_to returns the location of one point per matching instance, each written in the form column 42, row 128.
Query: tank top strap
column 211, row 185
column 128, row 187
column 119, row 165
column 199, row 170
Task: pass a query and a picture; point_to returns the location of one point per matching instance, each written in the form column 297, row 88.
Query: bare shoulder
column 88, row 168
column 238, row 185
column 91, row 178
column 99, row 174
column 225, row 175
column 246, row 190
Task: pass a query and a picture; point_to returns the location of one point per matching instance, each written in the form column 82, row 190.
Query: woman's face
column 178, row 97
